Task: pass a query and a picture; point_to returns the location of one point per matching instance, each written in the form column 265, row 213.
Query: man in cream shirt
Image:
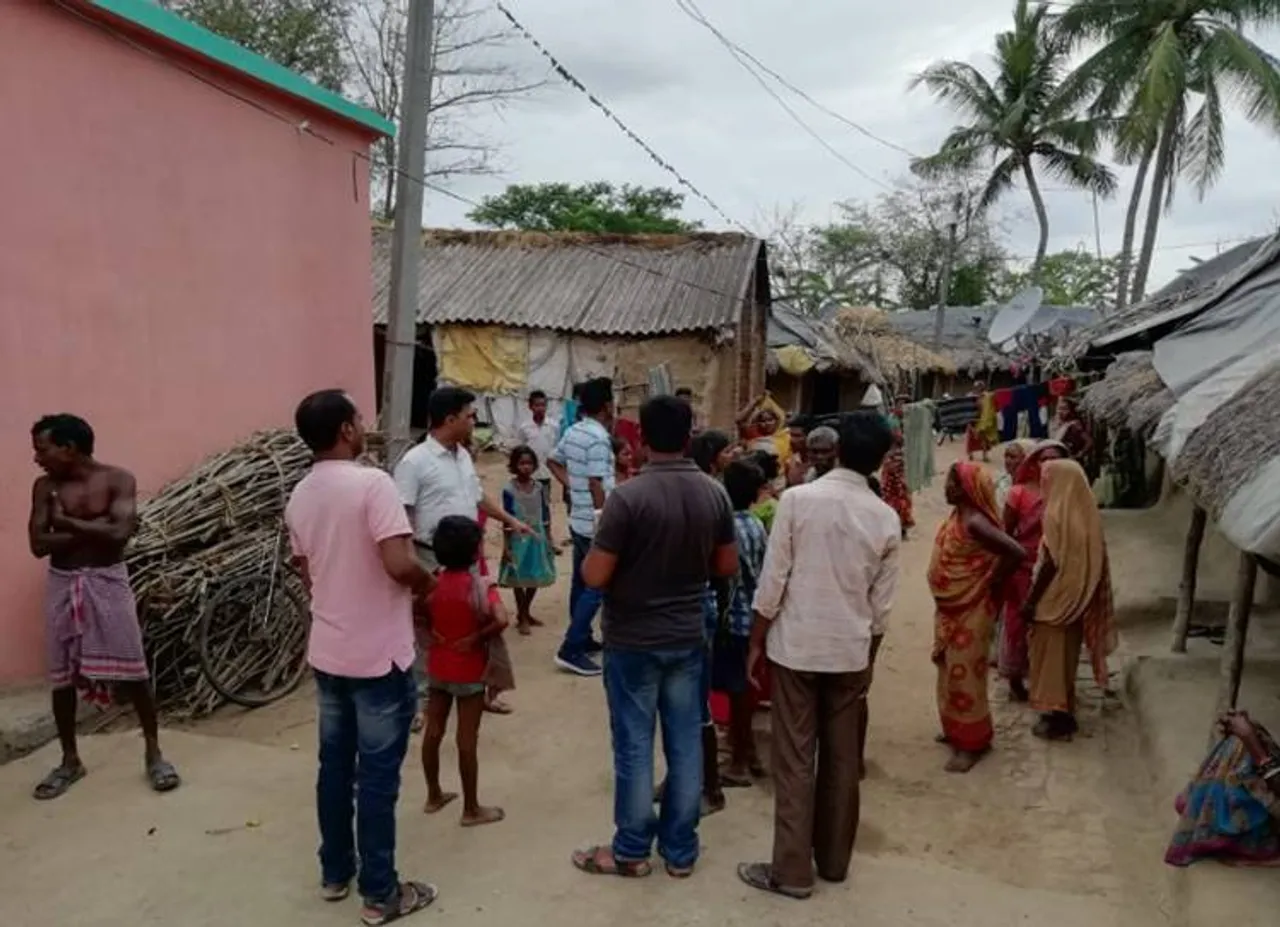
column 825, row 591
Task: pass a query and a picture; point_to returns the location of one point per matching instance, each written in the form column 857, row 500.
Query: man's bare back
column 85, row 519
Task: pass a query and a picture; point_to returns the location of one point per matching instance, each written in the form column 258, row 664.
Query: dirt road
column 1063, row 833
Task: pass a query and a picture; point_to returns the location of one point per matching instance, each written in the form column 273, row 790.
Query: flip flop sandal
column 599, row 860
column 338, row 891
column 678, row 872
column 163, row 776
column 498, row 708
column 56, row 784
column 760, row 875
column 410, row 898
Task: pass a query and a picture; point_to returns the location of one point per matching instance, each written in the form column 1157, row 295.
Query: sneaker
column 578, row 664
column 594, row 646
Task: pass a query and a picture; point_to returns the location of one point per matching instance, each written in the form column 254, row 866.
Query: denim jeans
column 584, row 602
column 364, row 734
column 644, row 688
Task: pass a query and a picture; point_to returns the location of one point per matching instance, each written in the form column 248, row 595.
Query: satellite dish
column 1013, row 318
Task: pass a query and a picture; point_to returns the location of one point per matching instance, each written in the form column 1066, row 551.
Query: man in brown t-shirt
column 662, row 536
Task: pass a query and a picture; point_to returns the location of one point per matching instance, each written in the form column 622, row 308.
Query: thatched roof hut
column 818, row 341
column 964, row 332
column 1131, row 395
column 894, row 354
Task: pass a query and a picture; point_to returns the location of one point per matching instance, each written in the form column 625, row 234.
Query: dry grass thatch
column 894, row 354
column 1234, row 442
column 1131, row 395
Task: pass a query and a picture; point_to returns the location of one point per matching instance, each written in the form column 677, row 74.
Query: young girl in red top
column 466, row 615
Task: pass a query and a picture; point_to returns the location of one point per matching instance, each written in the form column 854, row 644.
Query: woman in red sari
column 969, row 554
column 1023, row 521
column 893, row 483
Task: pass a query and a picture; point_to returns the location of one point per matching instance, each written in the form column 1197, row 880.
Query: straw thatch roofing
column 1131, row 395
column 593, row 284
column 894, row 354
column 964, row 332
column 817, row 339
column 1141, row 324
column 1233, row 444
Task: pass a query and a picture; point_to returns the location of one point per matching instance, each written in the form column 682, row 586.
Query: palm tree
column 1163, row 72
column 1023, row 117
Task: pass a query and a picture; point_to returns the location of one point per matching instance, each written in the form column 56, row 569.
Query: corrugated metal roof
column 594, row 284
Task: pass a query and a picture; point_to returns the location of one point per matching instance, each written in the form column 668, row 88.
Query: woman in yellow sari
column 1070, row 603
column 969, row 555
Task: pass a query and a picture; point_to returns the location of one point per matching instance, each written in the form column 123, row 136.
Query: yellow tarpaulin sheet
column 485, row 358
column 794, row 359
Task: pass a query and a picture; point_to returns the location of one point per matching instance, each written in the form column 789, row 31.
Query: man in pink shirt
column 354, row 546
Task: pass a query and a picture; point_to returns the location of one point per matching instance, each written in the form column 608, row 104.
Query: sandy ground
column 1068, row 834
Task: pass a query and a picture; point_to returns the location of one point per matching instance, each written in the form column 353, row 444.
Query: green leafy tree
column 305, row 36
column 890, row 253
column 1069, row 278
column 1163, row 72
column 598, row 207
column 1023, row 118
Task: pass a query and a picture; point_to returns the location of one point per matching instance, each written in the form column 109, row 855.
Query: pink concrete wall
column 175, row 266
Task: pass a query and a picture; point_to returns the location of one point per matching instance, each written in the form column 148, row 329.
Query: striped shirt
column 752, row 541
column 586, row 452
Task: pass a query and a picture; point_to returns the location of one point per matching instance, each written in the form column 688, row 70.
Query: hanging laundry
column 917, row 436
column 1061, row 386
column 954, row 415
column 1008, row 425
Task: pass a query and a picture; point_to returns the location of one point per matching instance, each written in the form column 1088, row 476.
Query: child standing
column 466, row 617
column 527, row 560
column 742, row 481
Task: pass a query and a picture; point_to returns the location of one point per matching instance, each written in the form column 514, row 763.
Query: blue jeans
column 644, row 688
column 364, row 734
column 584, row 601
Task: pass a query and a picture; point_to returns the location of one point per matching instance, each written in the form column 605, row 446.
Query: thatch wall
column 1131, row 395
column 895, row 355
column 1234, row 442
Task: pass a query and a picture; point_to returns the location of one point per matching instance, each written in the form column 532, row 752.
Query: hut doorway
column 826, row 394
column 424, row 373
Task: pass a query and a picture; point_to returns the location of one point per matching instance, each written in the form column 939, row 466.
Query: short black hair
column 446, row 401
column 66, row 430
column 665, row 423
column 596, row 394
column 684, row 392
column 742, row 481
column 801, row 421
column 319, row 418
column 456, row 542
column 865, row 439
column 768, row 464
column 536, row 395
column 518, row 452
column 706, row 447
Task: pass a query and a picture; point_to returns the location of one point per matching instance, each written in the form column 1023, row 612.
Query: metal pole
column 1097, row 227
column 406, row 239
column 944, row 279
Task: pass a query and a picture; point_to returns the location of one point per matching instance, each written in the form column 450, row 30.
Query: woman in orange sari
column 969, row 554
column 1070, row 604
column 1023, row 517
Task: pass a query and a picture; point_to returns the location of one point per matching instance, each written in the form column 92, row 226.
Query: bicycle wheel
column 253, row 638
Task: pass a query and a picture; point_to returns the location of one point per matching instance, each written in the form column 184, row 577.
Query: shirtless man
column 82, row 516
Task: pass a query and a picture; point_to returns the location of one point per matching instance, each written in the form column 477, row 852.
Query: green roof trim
column 151, row 17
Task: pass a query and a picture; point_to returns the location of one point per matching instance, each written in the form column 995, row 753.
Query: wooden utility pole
column 406, row 239
column 1237, row 633
column 1187, row 589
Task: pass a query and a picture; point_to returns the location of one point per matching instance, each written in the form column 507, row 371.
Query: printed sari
column 961, row 578
column 1228, row 812
column 893, row 483
column 1024, row 513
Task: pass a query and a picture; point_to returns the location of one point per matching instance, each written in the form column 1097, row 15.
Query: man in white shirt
column 437, row 477
column 540, row 434
column 826, row 589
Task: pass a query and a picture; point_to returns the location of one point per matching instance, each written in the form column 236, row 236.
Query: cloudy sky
column 669, row 79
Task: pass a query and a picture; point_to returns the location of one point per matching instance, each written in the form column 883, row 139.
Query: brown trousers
column 817, row 729
column 865, row 721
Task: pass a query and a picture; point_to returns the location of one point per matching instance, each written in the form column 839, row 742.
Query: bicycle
column 253, row 630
